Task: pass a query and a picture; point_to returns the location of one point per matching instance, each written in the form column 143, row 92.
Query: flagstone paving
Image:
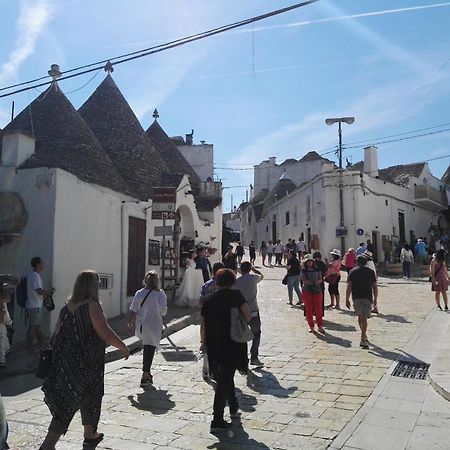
column 310, row 388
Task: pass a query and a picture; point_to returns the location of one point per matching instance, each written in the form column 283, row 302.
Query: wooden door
column 136, row 254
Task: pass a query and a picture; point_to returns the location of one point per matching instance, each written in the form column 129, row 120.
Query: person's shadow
column 330, row 339
column 247, row 402
column 391, row 318
column 237, row 437
column 153, row 400
column 268, row 384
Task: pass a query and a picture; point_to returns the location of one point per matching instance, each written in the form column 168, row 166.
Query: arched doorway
column 184, row 234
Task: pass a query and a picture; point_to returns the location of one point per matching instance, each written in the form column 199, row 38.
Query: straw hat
column 308, row 257
column 336, row 252
column 368, row 255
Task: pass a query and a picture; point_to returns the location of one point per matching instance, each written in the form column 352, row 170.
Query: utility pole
column 342, row 229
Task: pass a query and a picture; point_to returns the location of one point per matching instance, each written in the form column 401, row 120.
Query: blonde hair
column 85, row 287
column 151, row 280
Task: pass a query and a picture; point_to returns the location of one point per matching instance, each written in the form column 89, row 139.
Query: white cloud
column 375, row 111
column 33, row 17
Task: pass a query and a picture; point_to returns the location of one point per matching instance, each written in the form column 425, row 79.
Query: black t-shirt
column 362, row 279
column 240, row 250
column 295, row 266
column 217, row 318
column 230, row 261
column 252, row 250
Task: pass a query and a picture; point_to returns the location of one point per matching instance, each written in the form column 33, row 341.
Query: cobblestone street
column 310, row 388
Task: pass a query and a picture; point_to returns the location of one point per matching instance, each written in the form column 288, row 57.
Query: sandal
column 94, row 441
column 146, row 380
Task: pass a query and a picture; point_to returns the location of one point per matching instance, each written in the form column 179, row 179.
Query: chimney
column 371, row 160
column 273, row 160
column 17, row 147
column 190, row 138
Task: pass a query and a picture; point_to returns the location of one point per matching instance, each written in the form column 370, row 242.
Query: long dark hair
column 440, row 255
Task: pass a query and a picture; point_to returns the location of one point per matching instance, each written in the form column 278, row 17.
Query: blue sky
column 261, row 91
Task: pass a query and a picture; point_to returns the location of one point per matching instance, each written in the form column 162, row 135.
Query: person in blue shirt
column 421, row 250
column 361, row 249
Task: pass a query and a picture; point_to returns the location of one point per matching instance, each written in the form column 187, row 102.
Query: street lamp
column 349, row 121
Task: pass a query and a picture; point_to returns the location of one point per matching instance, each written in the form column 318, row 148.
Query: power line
column 399, row 139
column 156, row 49
column 399, row 134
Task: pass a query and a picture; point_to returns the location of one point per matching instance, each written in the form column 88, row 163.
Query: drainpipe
column 123, row 275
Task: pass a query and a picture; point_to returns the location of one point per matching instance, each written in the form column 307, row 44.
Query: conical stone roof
column 283, row 187
column 170, row 153
column 64, row 140
column 115, row 125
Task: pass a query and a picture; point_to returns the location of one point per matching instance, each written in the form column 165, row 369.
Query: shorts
column 362, row 307
column 333, row 288
column 33, row 316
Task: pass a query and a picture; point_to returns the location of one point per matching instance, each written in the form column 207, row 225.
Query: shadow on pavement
column 180, row 354
column 338, row 326
column 153, row 400
column 236, row 438
column 247, row 402
column 268, row 384
column 11, row 387
column 330, row 339
column 393, row 356
column 391, row 318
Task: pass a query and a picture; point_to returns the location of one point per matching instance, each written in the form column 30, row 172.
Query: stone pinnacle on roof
column 155, row 114
column 110, row 117
column 108, row 67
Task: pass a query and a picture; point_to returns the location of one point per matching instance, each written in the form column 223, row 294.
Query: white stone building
column 389, row 206
column 76, row 189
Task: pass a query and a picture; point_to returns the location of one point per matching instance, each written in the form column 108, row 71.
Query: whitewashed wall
column 37, row 237
column 200, row 157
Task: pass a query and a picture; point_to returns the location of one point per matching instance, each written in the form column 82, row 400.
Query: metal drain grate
column 408, row 369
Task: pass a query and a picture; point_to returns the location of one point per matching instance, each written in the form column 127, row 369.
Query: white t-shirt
column 34, row 281
column 269, row 248
column 301, row 246
column 371, row 265
column 278, row 248
column 149, row 323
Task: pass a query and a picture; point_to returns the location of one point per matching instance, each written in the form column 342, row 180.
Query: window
column 386, row 202
column 105, row 281
column 267, row 228
column 287, row 217
column 308, row 208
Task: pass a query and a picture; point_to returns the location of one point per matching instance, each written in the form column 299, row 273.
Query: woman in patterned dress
column 439, row 278
column 75, row 379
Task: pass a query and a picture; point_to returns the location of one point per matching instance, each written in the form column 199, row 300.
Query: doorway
column 401, row 227
column 274, row 229
column 136, row 254
column 376, row 243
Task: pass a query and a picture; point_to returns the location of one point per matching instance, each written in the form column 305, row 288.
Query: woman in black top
column 224, row 355
column 293, row 277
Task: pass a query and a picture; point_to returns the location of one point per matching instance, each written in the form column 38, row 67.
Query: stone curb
column 134, row 344
column 111, row 353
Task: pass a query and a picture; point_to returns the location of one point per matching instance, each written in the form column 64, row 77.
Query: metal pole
column 341, row 189
column 163, row 257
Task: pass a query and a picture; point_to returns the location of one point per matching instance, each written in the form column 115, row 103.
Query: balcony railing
column 428, row 194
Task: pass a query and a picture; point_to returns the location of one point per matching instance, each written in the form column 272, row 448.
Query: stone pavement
column 310, row 389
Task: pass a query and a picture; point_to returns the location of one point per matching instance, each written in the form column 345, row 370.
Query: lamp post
column 349, row 121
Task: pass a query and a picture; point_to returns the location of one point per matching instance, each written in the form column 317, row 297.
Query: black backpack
column 21, row 292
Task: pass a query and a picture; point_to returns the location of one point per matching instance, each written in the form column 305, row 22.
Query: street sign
column 164, row 203
column 164, row 195
column 359, row 231
column 164, row 231
column 163, row 215
column 341, row 231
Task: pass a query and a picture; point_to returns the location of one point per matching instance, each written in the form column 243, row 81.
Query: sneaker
column 321, row 330
column 299, row 303
column 364, row 344
column 220, row 425
column 146, row 380
column 256, row 362
column 446, row 307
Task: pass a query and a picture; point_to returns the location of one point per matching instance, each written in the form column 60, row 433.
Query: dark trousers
column 149, row 353
column 224, row 390
column 278, row 258
column 255, row 326
column 406, row 268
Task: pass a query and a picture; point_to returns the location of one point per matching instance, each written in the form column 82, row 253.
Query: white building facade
column 389, row 207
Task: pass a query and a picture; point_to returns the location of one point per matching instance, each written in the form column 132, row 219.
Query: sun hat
column 336, row 252
column 308, row 257
column 368, row 255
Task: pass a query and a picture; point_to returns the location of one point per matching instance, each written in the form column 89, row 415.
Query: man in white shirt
column 301, row 246
column 35, row 297
column 270, row 247
column 278, row 250
column 247, row 283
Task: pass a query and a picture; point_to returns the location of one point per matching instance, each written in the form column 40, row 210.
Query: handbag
column 48, row 303
column 239, row 331
column 285, row 280
column 142, row 304
column 44, row 363
column 46, row 355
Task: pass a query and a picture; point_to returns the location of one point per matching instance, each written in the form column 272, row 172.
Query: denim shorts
column 33, row 316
